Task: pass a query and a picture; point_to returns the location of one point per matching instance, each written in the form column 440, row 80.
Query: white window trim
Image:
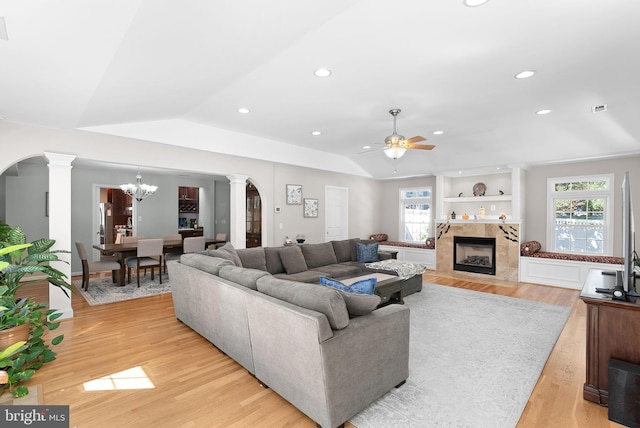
column 401, row 200
column 608, row 195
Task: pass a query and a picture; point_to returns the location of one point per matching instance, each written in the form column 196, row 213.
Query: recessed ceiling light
column 474, row 3
column 525, row 74
column 438, row 132
column 366, row 147
column 544, row 111
column 316, row 133
column 243, row 110
column 322, row 72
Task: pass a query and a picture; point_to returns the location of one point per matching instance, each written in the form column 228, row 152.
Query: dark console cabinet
column 613, row 328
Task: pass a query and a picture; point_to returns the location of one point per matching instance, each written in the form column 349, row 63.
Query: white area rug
column 474, row 360
column 103, row 290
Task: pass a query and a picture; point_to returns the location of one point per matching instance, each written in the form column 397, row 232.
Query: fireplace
column 474, row 254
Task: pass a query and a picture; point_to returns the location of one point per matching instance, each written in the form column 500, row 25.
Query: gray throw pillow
column 272, row 258
column 360, row 304
column 227, row 251
column 293, row 259
column 253, row 258
column 309, row 296
column 316, row 255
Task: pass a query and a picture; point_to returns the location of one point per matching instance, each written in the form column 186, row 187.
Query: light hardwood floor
column 194, row 385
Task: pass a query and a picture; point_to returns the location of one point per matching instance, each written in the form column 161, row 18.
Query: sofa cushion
column 227, row 251
column 204, row 262
column 273, row 261
column 293, row 259
column 309, row 296
column 367, row 253
column 342, row 249
column 319, row 255
column 339, row 270
column 363, row 286
column 306, row 276
column 360, row 304
column 354, row 247
column 241, row 275
column 253, row 258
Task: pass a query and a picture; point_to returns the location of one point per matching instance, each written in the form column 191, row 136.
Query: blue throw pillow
column 367, row 253
column 364, row 286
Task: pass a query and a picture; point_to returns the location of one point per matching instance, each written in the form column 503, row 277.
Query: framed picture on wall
column 310, row 207
column 294, row 194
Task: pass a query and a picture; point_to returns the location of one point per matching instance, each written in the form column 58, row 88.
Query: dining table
column 123, row 250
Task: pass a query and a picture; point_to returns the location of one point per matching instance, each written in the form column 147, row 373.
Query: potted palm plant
column 22, row 319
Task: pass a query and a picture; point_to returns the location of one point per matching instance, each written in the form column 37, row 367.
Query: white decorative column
column 238, row 210
column 60, row 225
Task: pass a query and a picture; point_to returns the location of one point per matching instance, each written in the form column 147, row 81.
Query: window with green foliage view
column 415, row 214
column 580, row 214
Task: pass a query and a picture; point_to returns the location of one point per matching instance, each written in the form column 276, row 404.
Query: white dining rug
column 103, row 290
column 474, row 360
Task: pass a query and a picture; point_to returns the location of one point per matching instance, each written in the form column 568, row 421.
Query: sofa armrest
column 366, row 359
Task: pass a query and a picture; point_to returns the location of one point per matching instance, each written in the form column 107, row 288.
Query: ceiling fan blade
column 421, row 146
column 415, row 139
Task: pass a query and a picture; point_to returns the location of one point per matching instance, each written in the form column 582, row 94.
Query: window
column 580, row 214
column 415, row 214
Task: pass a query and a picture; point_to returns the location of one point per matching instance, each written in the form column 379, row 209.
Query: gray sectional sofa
column 328, row 353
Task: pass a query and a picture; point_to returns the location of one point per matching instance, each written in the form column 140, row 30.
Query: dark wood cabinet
column 188, row 200
column 612, row 332
column 254, row 217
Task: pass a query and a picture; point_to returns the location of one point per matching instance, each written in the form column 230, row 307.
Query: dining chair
column 130, row 240
column 149, row 255
column 171, row 255
column 193, row 244
column 105, row 264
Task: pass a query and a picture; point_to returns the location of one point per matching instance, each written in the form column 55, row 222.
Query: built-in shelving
column 503, row 194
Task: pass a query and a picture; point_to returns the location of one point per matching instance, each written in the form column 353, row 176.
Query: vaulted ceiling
column 177, row 73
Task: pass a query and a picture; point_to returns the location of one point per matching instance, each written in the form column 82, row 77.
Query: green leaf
column 54, row 316
column 20, row 391
column 13, row 349
column 56, row 340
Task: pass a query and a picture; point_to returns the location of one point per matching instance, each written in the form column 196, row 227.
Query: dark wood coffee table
column 390, row 288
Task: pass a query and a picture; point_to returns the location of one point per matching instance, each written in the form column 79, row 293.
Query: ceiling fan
column 397, row 145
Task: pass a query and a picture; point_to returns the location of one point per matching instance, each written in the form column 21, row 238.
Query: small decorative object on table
column 300, row 238
column 453, row 215
column 465, row 216
column 483, row 213
column 479, row 189
column 502, row 216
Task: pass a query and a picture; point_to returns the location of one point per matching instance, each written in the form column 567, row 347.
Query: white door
column 336, row 213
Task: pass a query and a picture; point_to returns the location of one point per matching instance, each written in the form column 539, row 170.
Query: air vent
column 597, row 109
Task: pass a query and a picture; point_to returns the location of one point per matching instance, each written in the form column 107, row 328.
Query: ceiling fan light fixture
column 394, row 152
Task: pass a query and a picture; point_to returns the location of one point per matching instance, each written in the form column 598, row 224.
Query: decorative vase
column 13, row 335
column 483, row 213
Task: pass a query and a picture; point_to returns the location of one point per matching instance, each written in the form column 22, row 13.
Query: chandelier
column 138, row 190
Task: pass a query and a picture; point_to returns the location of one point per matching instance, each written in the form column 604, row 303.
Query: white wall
column 536, row 194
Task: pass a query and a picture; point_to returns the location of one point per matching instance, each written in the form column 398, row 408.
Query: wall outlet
column 492, row 208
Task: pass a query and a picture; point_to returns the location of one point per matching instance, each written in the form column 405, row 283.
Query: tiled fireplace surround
column 507, row 247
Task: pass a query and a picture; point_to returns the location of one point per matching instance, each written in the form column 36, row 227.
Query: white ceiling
column 176, row 72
